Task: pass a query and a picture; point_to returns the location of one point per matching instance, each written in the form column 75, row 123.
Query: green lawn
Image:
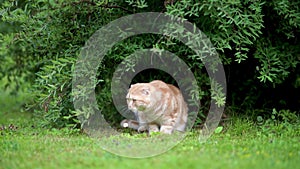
column 241, row 146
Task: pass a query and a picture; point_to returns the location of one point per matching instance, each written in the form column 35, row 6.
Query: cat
column 158, row 107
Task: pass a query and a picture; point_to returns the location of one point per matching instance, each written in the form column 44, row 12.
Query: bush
column 256, row 41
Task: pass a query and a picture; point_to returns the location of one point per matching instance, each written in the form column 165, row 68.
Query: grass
column 242, row 145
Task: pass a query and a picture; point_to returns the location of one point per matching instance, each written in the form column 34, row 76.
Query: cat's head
column 140, row 97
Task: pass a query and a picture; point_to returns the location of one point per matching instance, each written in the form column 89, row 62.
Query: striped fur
column 157, row 106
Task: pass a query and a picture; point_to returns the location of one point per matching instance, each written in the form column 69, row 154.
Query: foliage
column 10, row 100
column 278, row 121
column 48, row 35
column 265, row 123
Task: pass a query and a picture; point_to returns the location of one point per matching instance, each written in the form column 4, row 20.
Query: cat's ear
column 146, row 91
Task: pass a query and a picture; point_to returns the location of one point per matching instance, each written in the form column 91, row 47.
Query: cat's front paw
column 142, row 129
column 153, row 128
column 166, row 129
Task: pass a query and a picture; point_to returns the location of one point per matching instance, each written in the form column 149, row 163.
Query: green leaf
column 219, row 129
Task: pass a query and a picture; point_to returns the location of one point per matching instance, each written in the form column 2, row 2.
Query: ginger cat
column 157, row 106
